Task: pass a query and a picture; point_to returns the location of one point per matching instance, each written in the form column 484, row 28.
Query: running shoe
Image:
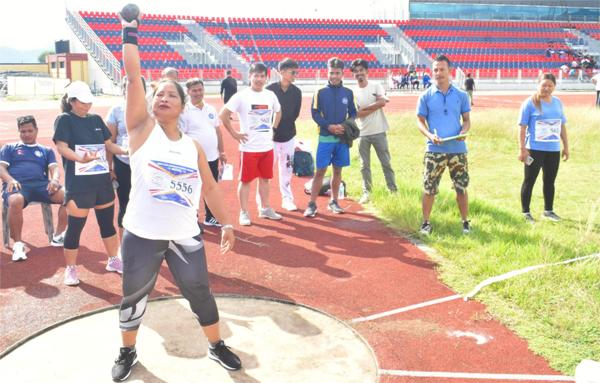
column 528, row 218
column 269, row 213
column 466, row 227
column 335, row 207
column 244, row 218
column 18, row 252
column 311, row 210
column 426, row 228
column 71, row 278
column 223, row 355
column 114, row 264
column 364, row 199
column 289, row 205
column 212, row 222
column 123, row 364
column 550, row 215
column 58, row 240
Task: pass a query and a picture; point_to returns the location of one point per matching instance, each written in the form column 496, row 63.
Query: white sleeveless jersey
column 165, row 189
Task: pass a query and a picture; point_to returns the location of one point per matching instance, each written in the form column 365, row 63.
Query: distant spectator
column 404, row 81
column 414, row 80
column 30, row 174
column 170, row 73
column 596, row 82
column 470, row 87
column 228, row 87
column 426, row 80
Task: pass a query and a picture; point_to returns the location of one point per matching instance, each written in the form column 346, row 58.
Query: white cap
column 81, row 91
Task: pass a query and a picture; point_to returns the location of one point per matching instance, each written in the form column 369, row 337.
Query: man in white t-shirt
column 370, row 99
column 200, row 121
column 596, row 82
column 259, row 113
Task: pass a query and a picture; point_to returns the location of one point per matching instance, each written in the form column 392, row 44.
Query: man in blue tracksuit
column 331, row 106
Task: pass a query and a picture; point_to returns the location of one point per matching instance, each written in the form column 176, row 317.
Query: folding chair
column 48, row 222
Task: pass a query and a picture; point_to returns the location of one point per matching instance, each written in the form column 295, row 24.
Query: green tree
column 42, row 56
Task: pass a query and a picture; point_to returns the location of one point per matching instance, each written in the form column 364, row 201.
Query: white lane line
column 475, row 375
column 514, row 273
column 473, row 292
column 407, row 308
column 479, row 338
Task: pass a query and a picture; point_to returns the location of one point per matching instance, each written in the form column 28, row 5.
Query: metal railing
column 95, row 47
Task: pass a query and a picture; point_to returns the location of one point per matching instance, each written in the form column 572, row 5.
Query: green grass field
column 556, row 309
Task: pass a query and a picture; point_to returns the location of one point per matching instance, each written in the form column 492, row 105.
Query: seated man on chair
column 30, row 174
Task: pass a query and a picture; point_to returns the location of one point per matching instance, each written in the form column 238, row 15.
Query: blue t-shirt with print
column 443, row 113
column 543, row 127
column 27, row 163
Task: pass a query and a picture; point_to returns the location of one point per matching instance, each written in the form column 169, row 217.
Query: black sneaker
column 223, row 355
column 426, row 228
column 311, row 210
column 529, row 218
column 466, row 227
column 550, row 215
column 335, row 207
column 122, row 368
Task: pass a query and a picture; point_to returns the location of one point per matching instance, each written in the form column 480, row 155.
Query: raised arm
column 137, row 119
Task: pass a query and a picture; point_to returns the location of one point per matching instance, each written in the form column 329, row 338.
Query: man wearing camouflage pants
column 439, row 113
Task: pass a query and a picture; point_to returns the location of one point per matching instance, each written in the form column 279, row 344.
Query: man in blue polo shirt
column 30, row 174
column 331, row 106
column 439, row 113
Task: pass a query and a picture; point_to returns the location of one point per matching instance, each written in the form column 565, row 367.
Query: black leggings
column 548, row 162
column 123, row 172
column 214, row 168
column 142, row 259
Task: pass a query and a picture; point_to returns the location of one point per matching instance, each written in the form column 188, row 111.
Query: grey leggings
column 142, row 259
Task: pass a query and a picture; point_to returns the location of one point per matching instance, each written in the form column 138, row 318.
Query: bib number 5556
column 181, row 186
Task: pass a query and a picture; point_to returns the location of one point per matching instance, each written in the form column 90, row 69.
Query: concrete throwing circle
column 277, row 342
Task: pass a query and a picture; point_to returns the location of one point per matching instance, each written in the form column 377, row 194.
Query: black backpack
column 304, row 166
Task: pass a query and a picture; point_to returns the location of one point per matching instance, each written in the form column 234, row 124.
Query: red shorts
column 256, row 165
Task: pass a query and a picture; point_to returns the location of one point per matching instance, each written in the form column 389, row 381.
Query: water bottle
column 342, row 191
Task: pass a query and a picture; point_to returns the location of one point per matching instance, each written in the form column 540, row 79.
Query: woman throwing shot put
column 168, row 170
column 542, row 127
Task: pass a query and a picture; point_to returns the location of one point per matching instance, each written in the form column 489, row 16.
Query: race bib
column 172, row 183
column 97, row 166
column 548, row 130
column 259, row 118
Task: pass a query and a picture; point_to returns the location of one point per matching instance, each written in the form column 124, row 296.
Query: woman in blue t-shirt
column 542, row 128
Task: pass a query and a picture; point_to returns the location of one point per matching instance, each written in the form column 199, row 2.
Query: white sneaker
column 364, row 199
column 289, row 205
column 19, row 252
column 71, row 278
column 269, row 213
column 244, row 218
column 58, row 240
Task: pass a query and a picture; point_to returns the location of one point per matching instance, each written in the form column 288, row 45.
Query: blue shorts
column 336, row 153
column 33, row 192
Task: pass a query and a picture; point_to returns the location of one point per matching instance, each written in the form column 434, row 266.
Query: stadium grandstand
column 493, row 39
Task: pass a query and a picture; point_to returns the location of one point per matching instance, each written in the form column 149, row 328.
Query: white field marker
column 476, row 375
